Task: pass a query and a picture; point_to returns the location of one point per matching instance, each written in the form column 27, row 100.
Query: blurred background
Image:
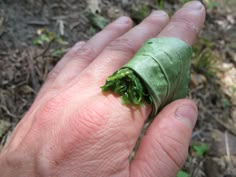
column 34, row 35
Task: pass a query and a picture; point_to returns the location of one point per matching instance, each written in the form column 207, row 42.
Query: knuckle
column 50, row 111
column 123, row 45
column 78, row 45
column 111, row 29
column 127, row 22
column 154, row 20
column 114, row 28
column 86, row 52
column 53, row 74
column 186, row 24
column 75, row 48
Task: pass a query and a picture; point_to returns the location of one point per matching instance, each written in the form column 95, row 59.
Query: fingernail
column 194, row 5
column 187, row 114
column 123, row 20
column 158, row 13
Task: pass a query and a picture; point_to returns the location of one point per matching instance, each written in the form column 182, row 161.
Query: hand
column 74, row 130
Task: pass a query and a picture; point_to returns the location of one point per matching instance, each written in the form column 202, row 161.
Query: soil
column 25, row 63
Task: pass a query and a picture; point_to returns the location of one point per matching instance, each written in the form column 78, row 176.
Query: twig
column 226, row 126
column 4, row 108
column 228, row 156
column 2, row 53
column 61, row 27
column 32, row 71
column 219, row 121
column 46, row 68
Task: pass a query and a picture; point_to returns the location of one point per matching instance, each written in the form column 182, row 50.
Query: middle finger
column 118, row 52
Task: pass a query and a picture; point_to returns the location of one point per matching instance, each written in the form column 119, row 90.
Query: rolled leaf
column 161, row 66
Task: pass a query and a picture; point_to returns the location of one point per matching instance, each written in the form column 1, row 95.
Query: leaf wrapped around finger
column 157, row 74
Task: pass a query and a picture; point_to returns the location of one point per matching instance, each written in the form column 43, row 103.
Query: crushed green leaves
column 126, row 83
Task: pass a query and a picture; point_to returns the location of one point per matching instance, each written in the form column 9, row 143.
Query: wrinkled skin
column 74, row 130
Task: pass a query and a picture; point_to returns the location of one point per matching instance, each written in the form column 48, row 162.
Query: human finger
column 117, row 54
column 164, row 147
column 167, row 138
column 83, row 53
column 123, row 48
column 186, row 22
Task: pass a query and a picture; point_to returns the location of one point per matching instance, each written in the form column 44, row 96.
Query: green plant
column 211, row 4
column 58, row 52
column 204, row 57
column 149, row 76
column 97, row 20
column 139, row 12
column 45, row 37
column 234, row 88
column 48, row 40
column 184, row 1
column 226, row 102
column 200, row 149
column 160, row 4
column 125, row 83
column 182, row 173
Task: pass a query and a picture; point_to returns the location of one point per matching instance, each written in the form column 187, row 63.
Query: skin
column 74, row 130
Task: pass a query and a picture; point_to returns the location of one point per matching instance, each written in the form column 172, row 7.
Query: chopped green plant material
column 158, row 74
column 125, row 83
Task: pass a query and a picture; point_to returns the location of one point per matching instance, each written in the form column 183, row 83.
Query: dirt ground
column 34, row 35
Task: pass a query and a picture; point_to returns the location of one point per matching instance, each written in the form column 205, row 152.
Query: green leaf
column 200, row 149
column 160, row 4
column 139, row 12
column 58, row 52
column 40, row 40
column 212, row 5
column 97, row 20
column 184, row 1
column 182, row 173
column 234, row 88
column 226, row 102
column 161, row 67
column 44, row 38
column 59, row 40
